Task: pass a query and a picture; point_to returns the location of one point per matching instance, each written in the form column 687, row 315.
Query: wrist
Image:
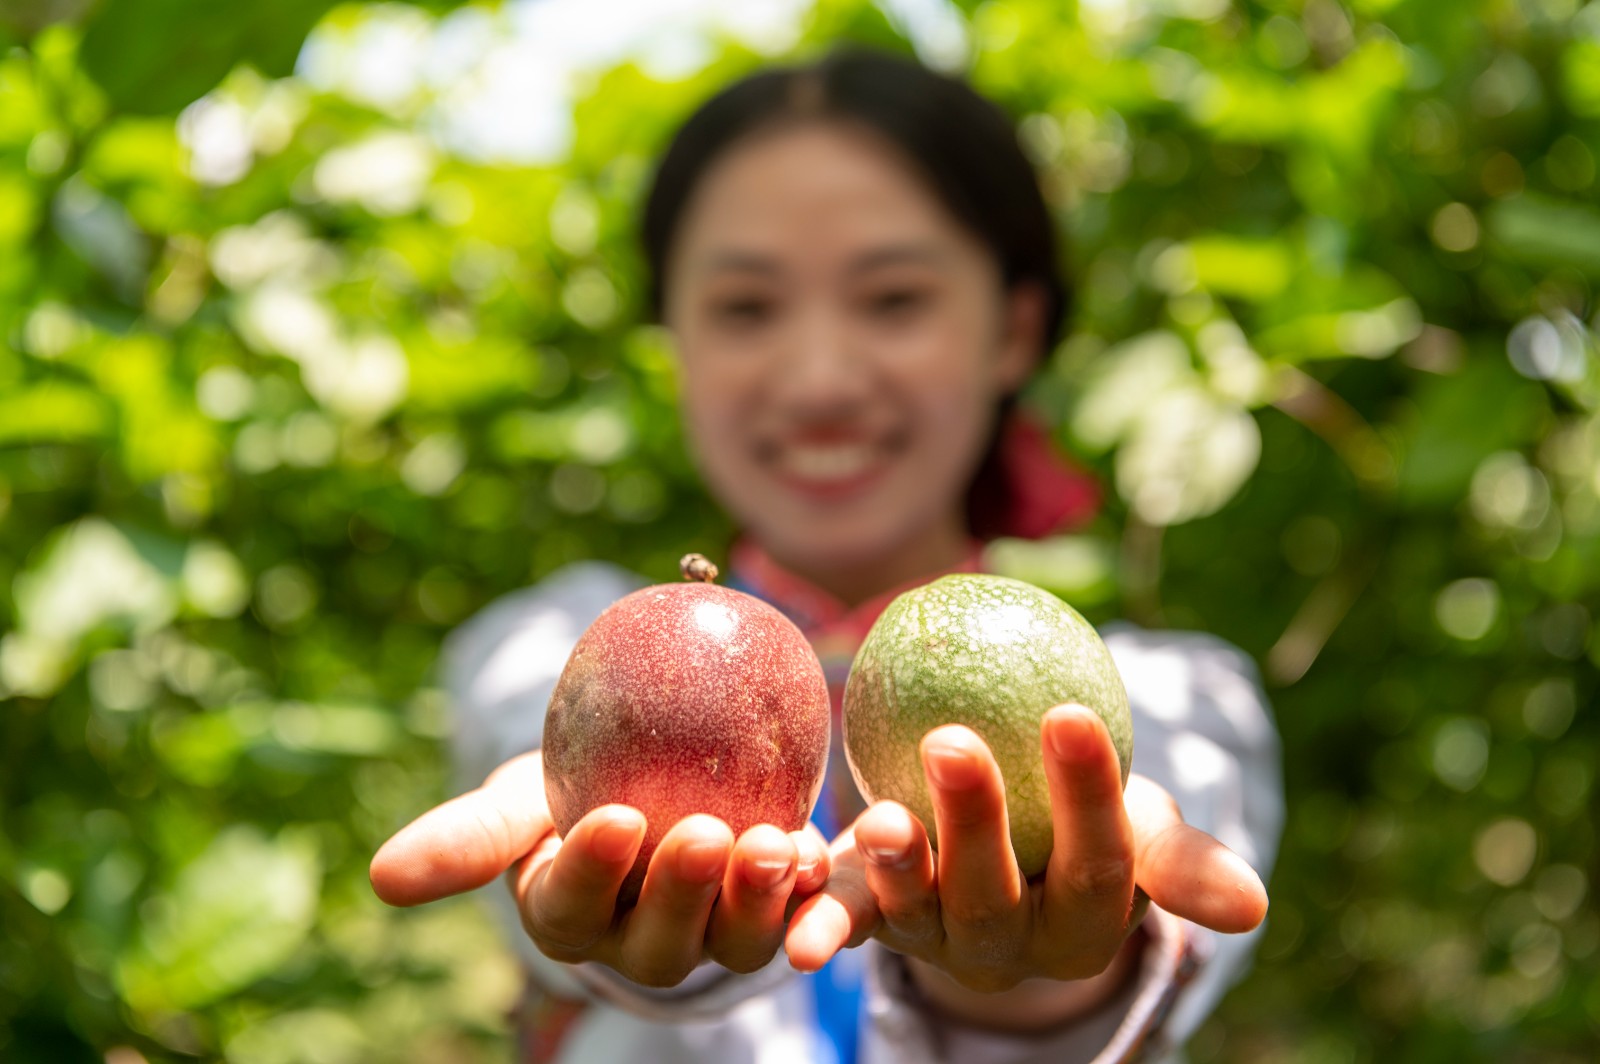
column 1033, row 1005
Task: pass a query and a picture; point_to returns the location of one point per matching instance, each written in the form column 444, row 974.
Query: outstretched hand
column 706, row 894
column 968, row 912
column 965, row 911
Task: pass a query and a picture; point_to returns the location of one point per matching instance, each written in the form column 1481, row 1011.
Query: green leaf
column 93, row 573
column 344, row 729
column 159, row 56
column 1081, row 570
column 235, row 913
column 1580, row 76
column 1458, row 422
column 53, row 412
column 1253, row 269
column 28, row 17
column 458, row 377
column 19, row 208
column 1548, row 232
column 1187, row 456
column 1122, row 383
column 135, row 149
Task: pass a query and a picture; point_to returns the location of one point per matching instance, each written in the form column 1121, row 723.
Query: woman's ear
column 1022, row 335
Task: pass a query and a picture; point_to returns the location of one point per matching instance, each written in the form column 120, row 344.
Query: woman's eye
column 897, row 302
column 744, row 311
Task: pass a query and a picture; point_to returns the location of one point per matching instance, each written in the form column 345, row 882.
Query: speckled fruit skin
column 688, row 698
column 991, row 653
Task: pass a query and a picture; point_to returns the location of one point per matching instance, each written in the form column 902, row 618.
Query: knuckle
column 495, row 831
column 916, row 940
column 1083, row 965
column 656, row 973
column 1156, row 849
column 972, row 814
column 976, row 914
column 915, row 920
column 553, row 932
column 742, row 949
column 744, row 961
column 989, row 980
column 561, row 953
column 1099, row 877
column 555, row 938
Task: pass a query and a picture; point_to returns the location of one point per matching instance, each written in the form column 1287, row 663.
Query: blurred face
column 844, row 343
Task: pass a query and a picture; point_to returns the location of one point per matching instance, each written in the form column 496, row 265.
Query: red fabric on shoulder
column 1044, row 492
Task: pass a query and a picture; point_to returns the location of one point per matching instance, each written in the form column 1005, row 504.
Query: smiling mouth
column 830, row 463
column 831, row 469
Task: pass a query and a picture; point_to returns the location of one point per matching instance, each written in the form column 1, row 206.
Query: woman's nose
column 822, row 370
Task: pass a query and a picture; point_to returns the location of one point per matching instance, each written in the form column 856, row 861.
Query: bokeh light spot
column 1467, row 609
column 1504, row 851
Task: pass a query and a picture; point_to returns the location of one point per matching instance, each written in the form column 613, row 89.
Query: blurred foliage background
column 308, row 350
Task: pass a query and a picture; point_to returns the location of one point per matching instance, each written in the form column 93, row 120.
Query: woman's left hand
column 967, row 909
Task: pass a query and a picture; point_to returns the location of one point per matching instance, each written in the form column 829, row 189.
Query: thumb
column 468, row 841
column 1187, row 872
column 844, row 913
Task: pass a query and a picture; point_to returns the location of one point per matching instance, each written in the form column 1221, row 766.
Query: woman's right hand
column 705, row 895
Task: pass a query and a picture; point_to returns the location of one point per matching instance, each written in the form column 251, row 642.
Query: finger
column 899, row 872
column 842, row 914
column 1187, row 872
column 663, row 936
column 747, row 922
column 813, row 860
column 980, row 885
column 1089, row 881
column 569, row 901
column 525, row 872
column 467, row 841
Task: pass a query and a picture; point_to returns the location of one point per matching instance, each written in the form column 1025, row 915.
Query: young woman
column 859, row 272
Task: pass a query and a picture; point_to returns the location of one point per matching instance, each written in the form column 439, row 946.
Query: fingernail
column 1064, row 739
column 887, row 856
column 701, row 862
column 766, row 873
column 615, row 839
column 948, row 767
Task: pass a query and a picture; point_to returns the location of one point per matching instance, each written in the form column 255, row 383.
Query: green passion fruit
column 993, row 654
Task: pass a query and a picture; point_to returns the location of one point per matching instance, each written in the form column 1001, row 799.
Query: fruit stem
column 697, row 567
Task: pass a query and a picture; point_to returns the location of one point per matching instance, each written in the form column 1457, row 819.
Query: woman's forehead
column 810, row 190
column 864, row 258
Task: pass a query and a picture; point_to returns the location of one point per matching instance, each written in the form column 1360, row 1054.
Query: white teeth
column 827, row 463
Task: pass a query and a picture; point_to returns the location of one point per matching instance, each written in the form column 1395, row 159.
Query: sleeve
column 1202, row 728
column 499, row 669
column 1203, row 731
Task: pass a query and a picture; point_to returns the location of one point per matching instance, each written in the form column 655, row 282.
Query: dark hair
column 963, row 145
